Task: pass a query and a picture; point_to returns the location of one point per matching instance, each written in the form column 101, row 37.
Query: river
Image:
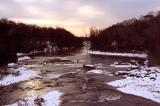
column 64, row 72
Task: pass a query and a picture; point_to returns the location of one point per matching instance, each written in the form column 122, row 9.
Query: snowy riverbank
column 24, row 74
column 144, row 82
column 118, row 54
column 50, row 99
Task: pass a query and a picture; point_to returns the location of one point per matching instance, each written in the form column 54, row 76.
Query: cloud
column 24, row 1
column 75, row 14
column 124, row 9
column 89, row 12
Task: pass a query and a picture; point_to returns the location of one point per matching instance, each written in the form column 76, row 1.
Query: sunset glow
column 76, row 16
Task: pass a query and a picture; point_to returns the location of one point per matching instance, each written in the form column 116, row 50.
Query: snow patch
column 89, row 65
column 20, row 54
column 11, row 64
column 95, row 71
column 49, row 99
column 123, row 66
column 118, row 54
column 144, row 82
column 24, row 75
column 122, row 73
column 24, row 58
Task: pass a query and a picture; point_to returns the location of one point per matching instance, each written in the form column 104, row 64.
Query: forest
column 23, row 38
column 133, row 35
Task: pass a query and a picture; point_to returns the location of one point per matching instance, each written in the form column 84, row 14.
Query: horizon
column 75, row 16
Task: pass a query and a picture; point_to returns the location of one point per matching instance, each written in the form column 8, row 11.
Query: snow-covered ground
column 118, row 54
column 49, row 99
column 144, row 82
column 24, row 74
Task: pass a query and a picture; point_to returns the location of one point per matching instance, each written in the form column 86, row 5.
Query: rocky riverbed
column 63, row 80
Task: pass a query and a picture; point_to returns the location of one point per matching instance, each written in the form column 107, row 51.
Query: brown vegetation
column 132, row 35
column 19, row 37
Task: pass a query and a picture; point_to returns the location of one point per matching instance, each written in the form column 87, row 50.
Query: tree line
column 133, row 35
column 20, row 37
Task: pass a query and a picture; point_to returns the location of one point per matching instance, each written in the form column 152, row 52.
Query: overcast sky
column 75, row 15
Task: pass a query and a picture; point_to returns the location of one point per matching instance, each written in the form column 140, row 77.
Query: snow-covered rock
column 89, row 66
column 50, row 99
column 118, row 54
column 143, row 82
column 24, row 75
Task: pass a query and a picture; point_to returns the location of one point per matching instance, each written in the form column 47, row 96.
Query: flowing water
column 64, row 72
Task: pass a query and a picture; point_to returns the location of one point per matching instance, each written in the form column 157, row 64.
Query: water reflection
column 32, row 87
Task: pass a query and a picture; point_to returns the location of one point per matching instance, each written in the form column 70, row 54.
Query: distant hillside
column 19, row 37
column 132, row 35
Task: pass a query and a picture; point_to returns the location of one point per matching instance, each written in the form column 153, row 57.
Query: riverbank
column 144, row 82
column 142, row 55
